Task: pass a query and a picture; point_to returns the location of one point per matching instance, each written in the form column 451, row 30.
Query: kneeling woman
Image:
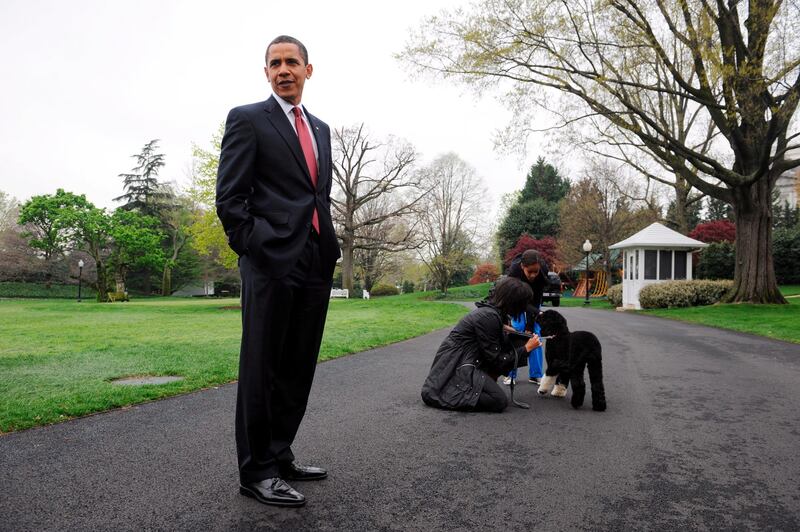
column 464, row 372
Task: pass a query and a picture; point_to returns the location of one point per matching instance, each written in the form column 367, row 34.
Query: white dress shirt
column 288, row 108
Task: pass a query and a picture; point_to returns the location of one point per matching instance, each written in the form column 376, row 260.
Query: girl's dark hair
column 530, row 256
column 511, row 295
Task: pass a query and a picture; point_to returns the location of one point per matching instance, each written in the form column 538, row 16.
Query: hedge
column 384, row 290
column 40, row 290
column 673, row 294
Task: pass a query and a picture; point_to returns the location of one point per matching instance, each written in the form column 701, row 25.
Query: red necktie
column 308, row 151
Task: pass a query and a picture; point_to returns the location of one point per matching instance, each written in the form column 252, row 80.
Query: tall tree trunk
column 347, row 262
column 681, row 207
column 102, row 281
column 754, row 278
column 166, row 281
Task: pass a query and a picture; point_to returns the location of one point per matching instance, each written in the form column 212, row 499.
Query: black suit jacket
column 265, row 198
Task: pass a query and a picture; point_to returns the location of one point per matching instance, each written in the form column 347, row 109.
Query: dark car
column 552, row 290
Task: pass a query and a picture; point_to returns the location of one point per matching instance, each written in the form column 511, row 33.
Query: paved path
column 701, row 434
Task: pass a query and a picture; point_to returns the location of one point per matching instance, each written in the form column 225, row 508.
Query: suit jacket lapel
column 281, row 123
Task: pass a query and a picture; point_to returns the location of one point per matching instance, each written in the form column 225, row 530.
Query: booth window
column 650, row 263
column 630, row 268
column 665, row 258
column 680, row 265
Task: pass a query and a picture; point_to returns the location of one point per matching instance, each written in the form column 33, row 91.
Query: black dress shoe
column 273, row 491
column 295, row 471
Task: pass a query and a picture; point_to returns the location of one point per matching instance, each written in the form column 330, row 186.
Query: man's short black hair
column 530, row 256
column 511, row 295
column 286, row 38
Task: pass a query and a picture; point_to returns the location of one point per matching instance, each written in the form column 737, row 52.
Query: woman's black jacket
column 475, row 346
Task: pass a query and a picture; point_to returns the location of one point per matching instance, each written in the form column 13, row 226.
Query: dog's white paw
column 559, row 391
column 546, row 384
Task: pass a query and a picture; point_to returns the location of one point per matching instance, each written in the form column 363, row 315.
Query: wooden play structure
column 598, row 286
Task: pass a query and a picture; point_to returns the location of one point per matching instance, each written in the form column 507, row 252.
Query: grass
column 774, row 321
column 57, row 357
column 474, row 292
column 790, row 290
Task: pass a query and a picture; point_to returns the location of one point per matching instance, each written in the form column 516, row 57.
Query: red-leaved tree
column 716, row 231
column 484, row 273
column 547, row 248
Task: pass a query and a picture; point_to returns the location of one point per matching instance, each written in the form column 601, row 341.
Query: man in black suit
column 273, row 198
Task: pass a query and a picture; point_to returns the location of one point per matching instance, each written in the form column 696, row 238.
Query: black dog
column 567, row 354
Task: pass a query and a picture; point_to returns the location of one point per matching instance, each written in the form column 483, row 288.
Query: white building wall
column 633, row 281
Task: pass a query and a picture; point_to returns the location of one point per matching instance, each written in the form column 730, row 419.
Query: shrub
column 666, row 295
column 40, row 290
column 384, row 290
column 786, row 254
column 484, row 273
column 716, row 231
column 547, row 248
column 675, row 294
column 710, row 292
column 717, row 261
column 615, row 295
column 408, row 287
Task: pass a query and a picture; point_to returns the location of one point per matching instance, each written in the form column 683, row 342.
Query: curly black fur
column 568, row 354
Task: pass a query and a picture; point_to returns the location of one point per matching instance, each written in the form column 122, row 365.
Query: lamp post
column 587, row 248
column 80, row 273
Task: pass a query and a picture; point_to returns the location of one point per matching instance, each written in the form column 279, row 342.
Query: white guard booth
column 653, row 255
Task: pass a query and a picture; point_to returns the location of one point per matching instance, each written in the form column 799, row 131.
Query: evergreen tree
column 784, row 216
column 716, row 209
column 143, row 192
column 535, row 211
column 538, row 218
column 692, row 215
column 544, row 183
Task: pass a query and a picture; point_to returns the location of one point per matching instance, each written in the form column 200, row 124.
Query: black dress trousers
column 282, row 325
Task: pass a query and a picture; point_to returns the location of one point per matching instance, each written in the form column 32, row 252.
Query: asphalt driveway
column 702, row 432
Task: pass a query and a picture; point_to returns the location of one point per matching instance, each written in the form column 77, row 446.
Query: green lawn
column 57, row 357
column 790, row 290
column 774, row 321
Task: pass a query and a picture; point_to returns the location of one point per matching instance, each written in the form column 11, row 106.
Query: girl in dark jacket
column 466, row 366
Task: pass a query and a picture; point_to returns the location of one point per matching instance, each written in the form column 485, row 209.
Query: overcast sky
column 87, row 83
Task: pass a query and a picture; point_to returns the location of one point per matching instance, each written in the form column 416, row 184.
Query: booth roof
column 657, row 235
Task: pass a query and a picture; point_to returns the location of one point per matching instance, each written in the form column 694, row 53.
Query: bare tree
column 737, row 63
column 376, row 191
column 675, row 114
column 9, row 211
column 450, row 218
column 18, row 261
column 598, row 207
column 376, row 254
